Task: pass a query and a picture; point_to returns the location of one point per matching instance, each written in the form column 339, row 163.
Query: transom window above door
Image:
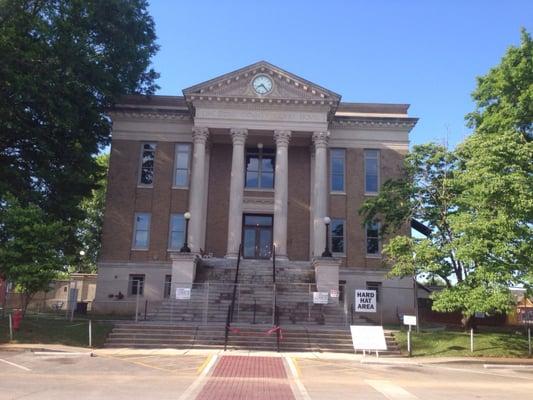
column 260, row 164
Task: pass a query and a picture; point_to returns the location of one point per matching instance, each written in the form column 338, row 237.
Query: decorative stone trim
column 320, row 139
column 158, row 115
column 258, row 204
column 374, row 122
column 282, row 137
column 238, row 135
column 200, row 135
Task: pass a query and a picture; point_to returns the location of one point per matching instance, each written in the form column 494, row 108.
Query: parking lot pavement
column 31, row 376
column 127, row 375
column 340, row 379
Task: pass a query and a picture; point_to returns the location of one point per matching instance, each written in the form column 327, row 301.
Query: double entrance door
column 257, row 236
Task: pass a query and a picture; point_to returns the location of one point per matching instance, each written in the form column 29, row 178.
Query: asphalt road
column 27, row 375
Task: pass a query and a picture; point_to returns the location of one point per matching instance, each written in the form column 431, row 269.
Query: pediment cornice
column 374, row 122
column 235, row 88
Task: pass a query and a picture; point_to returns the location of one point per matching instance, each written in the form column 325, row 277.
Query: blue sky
column 426, row 53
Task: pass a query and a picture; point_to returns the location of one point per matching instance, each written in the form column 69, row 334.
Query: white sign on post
column 368, row 338
column 320, row 297
column 183, row 293
column 409, row 320
column 365, row 301
column 334, row 293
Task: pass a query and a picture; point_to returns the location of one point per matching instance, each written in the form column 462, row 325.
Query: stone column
column 320, row 191
column 281, row 189
column 236, row 192
column 197, row 188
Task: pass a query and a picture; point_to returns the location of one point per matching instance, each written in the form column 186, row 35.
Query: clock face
column 262, row 84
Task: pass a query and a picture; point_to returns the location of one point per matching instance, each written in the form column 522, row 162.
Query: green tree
column 30, row 248
column 90, row 228
column 476, row 201
column 63, row 65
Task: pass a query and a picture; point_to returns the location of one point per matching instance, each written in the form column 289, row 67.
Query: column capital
column 238, row 135
column 320, row 139
column 282, row 137
column 200, row 134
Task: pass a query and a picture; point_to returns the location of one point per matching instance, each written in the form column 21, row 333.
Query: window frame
column 176, row 169
column 260, row 153
column 135, row 230
column 170, row 248
column 139, row 172
column 378, row 170
column 343, row 253
column 377, row 286
column 372, row 255
column 135, row 278
column 331, row 174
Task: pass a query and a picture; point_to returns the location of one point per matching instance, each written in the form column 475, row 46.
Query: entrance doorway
column 257, row 236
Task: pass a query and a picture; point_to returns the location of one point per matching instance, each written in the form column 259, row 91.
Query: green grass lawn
column 47, row 330
column 457, row 344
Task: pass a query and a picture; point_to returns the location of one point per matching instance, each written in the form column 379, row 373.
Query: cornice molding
column 369, row 122
column 152, row 115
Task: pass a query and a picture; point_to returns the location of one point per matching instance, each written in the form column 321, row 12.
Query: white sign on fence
column 371, row 338
column 365, row 301
column 183, row 293
column 320, row 297
column 409, row 320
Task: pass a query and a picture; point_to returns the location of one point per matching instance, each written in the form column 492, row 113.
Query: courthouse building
column 257, row 156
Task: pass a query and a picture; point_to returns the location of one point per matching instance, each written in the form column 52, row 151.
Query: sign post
column 409, row 320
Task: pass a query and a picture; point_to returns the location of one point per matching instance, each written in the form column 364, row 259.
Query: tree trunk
column 468, row 322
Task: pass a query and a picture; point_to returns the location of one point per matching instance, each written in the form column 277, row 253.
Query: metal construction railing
column 229, row 318
column 275, row 310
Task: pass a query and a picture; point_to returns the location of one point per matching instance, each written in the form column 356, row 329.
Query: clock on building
column 262, row 84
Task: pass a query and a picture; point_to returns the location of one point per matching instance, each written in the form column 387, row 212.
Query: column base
column 326, row 273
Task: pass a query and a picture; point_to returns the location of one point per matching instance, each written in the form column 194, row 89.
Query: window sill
column 139, row 186
column 371, row 193
column 339, row 255
column 137, row 249
column 375, row 256
column 181, row 187
column 258, row 190
column 338, row 193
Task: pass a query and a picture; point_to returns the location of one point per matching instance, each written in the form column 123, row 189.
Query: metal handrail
column 274, row 263
column 276, row 310
column 229, row 317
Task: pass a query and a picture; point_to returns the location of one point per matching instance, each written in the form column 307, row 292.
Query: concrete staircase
column 199, row 322
column 242, row 337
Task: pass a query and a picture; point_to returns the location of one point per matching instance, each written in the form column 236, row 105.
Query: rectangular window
column 372, row 239
column 260, row 164
column 374, row 286
column 141, row 231
column 177, row 231
column 182, row 165
column 168, row 285
column 136, row 285
column 337, row 235
column 146, row 175
column 371, row 171
column 337, row 157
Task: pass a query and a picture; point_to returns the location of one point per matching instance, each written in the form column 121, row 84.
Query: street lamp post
column 185, row 248
column 326, row 252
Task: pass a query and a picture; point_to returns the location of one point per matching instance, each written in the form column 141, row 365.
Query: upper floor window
column 146, row 175
column 182, row 165
column 372, row 239
column 337, row 235
column 337, row 157
column 371, row 171
column 141, row 231
column 260, row 164
column 177, row 231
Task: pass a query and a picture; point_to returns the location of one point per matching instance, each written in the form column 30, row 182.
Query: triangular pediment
column 238, row 86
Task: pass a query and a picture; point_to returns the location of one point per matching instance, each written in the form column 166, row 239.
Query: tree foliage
column 63, row 64
column 477, row 200
column 30, row 247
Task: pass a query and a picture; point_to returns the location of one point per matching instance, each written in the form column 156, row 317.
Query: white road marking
column 297, row 381
column 189, row 393
column 390, row 390
column 507, row 366
column 15, row 365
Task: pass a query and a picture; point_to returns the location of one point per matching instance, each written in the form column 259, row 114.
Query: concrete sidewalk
column 369, row 359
